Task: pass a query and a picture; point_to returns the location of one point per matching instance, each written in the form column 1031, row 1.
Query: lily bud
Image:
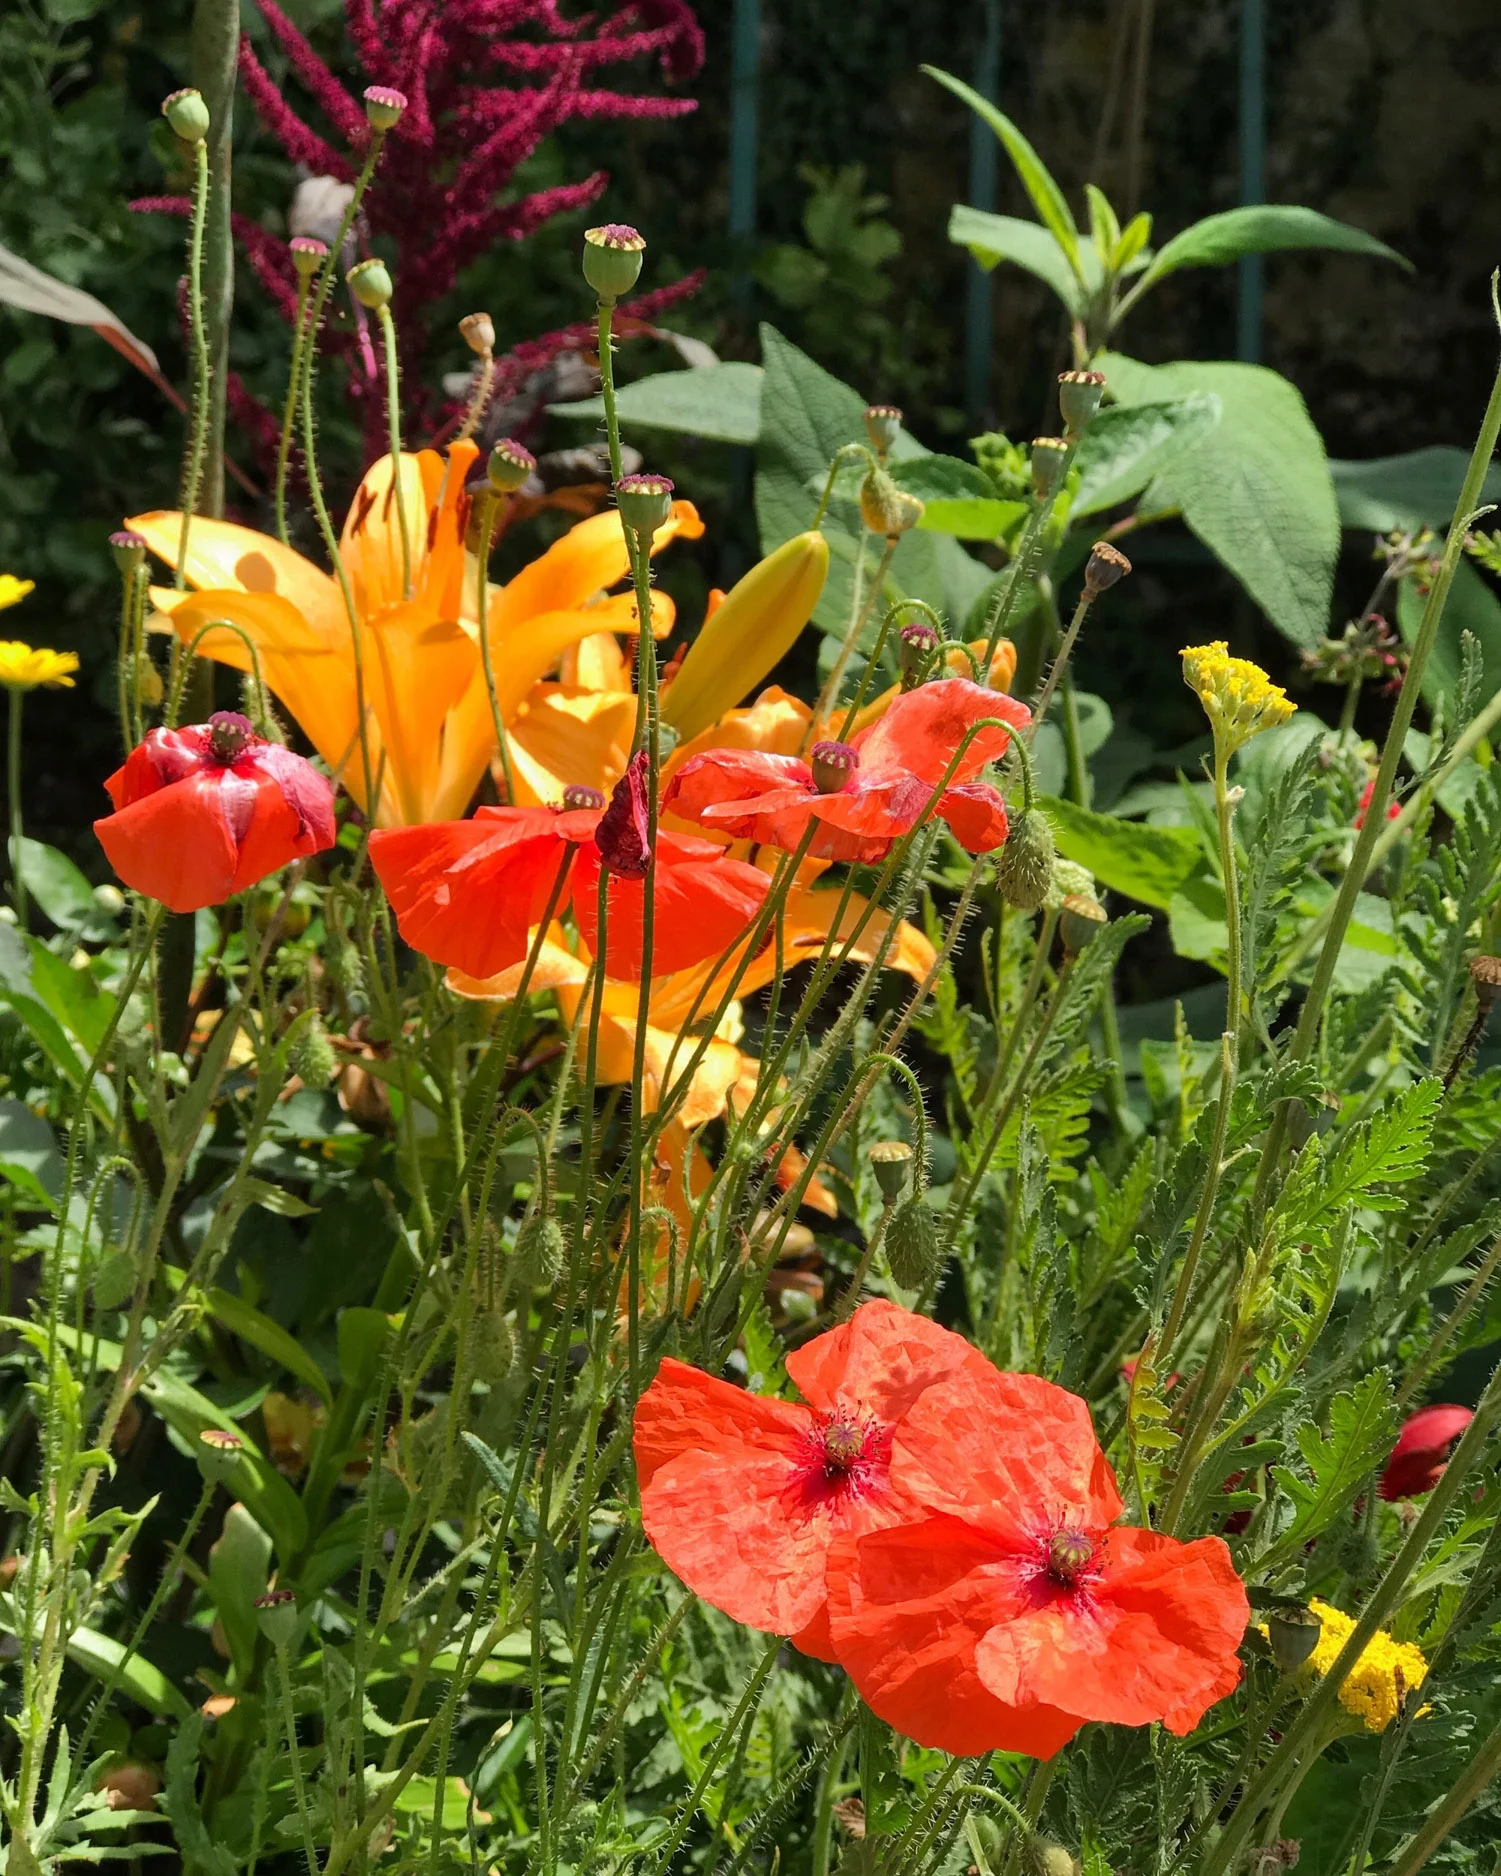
column 370, row 283
column 384, row 106
column 478, row 330
column 1081, row 922
column 128, row 550
column 891, row 1162
column 644, row 501
column 308, row 255
column 833, row 765
column 188, row 115
column 219, row 1454
column 612, row 259
column 883, row 424
column 511, row 467
column 276, row 1615
column 886, row 509
column 1024, row 866
column 912, row 1246
column 1079, row 394
column 1104, row 567
column 1049, row 460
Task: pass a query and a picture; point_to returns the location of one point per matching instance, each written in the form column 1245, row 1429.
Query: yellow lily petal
column 588, row 559
column 598, row 662
column 563, row 736
column 416, row 669
column 222, row 555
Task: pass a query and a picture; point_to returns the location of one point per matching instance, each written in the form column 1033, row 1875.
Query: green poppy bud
column 612, row 259
column 1024, row 866
column 1046, row 1858
column 891, row 1162
column 313, row 1058
column 644, row 501
column 1049, row 461
column 109, row 900
column 370, row 283
column 188, row 115
column 884, row 508
column 542, row 1250
column 912, row 1244
column 1079, row 394
column 492, row 1347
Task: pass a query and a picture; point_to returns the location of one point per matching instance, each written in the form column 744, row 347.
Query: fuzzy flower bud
column 1079, row 394
column 612, row 259
column 492, row 1346
column 313, row 1058
column 511, row 467
column 478, row 330
column 1049, row 460
column 188, row 115
column 108, row 899
column 644, row 501
column 883, row 422
column 219, row 1454
column 891, row 1162
column 1106, row 565
column 1081, row 922
column 384, row 106
column 114, row 1278
column 308, row 255
column 370, row 283
column 917, row 643
column 128, row 550
column 833, row 766
column 913, row 1249
column 541, row 1250
column 886, row 509
column 1024, row 867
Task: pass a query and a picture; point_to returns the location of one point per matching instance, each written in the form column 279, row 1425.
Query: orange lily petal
column 224, row 556
column 598, row 662
column 588, row 559
column 563, row 736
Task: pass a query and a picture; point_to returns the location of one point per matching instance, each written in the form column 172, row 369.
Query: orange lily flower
column 429, row 725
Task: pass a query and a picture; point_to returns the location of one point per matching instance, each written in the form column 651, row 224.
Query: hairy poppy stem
column 1060, row 663
column 1028, row 551
column 393, row 426
column 289, row 407
column 1213, row 1172
column 192, row 471
column 829, row 695
column 13, row 803
column 487, row 510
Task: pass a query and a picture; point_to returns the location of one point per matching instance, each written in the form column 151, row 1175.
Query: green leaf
column 1361, row 1426
column 1415, row 490
column 1472, row 606
column 1266, row 228
column 239, row 1565
column 269, row 1337
column 992, row 239
column 721, row 403
column 179, row 1800
column 261, row 1489
column 1146, row 863
column 29, row 1156
column 1047, row 198
column 1127, row 445
column 957, row 498
column 1255, row 488
column 189, row 1110
column 102, row 1654
column 60, row 1007
column 60, row 889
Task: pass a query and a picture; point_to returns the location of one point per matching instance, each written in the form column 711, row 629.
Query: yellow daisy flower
column 1381, row 1679
column 13, row 591
column 1238, row 696
column 24, row 667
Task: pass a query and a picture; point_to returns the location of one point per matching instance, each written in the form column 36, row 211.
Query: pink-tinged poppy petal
column 1003, row 1451
column 976, row 816
column 1150, row 1630
column 266, row 828
column 908, row 1607
column 922, row 730
column 878, row 1362
column 757, row 783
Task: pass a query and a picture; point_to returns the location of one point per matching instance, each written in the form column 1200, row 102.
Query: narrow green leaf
column 992, row 239
column 1265, row 228
column 269, row 1337
column 102, row 1654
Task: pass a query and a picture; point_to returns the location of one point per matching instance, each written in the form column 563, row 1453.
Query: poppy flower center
column 229, row 736
column 578, row 795
column 833, row 766
column 1069, row 1553
column 843, row 1444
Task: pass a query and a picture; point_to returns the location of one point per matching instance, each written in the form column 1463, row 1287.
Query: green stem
column 1224, row 808
column 289, row 1719
column 1060, row 663
column 829, row 695
column 13, row 789
column 1212, row 1175
column 1485, row 1765
column 393, row 427
column 289, row 408
column 192, row 474
column 216, row 55
column 487, row 657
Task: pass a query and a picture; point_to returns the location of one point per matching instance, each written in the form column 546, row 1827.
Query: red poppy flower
column 866, row 794
column 1422, row 1451
column 201, row 813
column 1014, row 1612
column 1393, row 808
column 742, row 1494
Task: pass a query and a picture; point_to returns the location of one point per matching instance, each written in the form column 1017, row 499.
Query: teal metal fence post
column 983, row 169
column 1252, row 171
column 745, row 105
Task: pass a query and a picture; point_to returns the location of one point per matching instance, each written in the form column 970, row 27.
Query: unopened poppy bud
column 579, row 797
column 1081, row 922
column 1047, row 1858
column 128, row 550
column 612, row 259
column 1079, row 394
column 541, row 1249
column 384, row 106
column 308, row 255
column 478, row 331
column 918, row 642
column 913, row 1249
column 1485, row 975
column 883, row 423
column 1068, row 878
column 797, row 1305
column 109, row 900
column 891, row 1162
column 833, row 766
column 644, row 501
column 511, row 466
column 370, row 283
column 1294, row 1634
column 313, row 1057
column 188, row 115
column 1049, row 460
column 219, row 1454
column 148, row 680
column 1105, row 565
column 276, row 1614
column 492, row 1347
column 1024, row 866
column 230, row 735
column 884, row 508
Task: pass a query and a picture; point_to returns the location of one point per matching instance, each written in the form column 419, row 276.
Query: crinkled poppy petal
column 266, row 830
column 878, row 1362
column 976, row 815
column 309, row 794
column 752, row 779
column 1155, row 1635
column 174, row 845
column 467, row 893
column 908, row 1607
column 1417, row 1461
column 700, row 907
column 164, row 757
column 1002, row 1449
column 687, row 1411
column 882, row 807
column 922, row 730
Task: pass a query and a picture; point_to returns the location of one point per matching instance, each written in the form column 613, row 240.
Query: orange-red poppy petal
column 922, row 730
column 878, row 1362
column 700, row 907
column 687, row 1411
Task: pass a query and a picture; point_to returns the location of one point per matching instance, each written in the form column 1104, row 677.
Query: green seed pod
column 1294, row 1634
column 1049, row 460
column 313, row 1057
column 612, row 259
column 884, row 508
column 834, row 766
column 219, row 1454
column 542, row 1250
column 128, row 550
column 912, row 1246
column 1046, row 1858
column 1079, row 394
column 308, row 255
column 371, row 284
column 277, row 1616
column 188, row 115
column 883, row 423
column 109, row 900
column 114, row 1280
column 1081, row 922
column 384, row 106
column 1024, row 867
column 511, row 467
column 645, row 502
column 148, row 681
column 891, row 1162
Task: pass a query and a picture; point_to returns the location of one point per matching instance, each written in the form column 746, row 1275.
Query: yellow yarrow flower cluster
column 13, row 591
column 24, row 667
column 1238, row 696
column 1385, row 1674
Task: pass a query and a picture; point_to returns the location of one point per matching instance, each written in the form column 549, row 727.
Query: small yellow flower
column 1238, row 696
column 1381, row 1679
column 23, row 668
column 12, row 590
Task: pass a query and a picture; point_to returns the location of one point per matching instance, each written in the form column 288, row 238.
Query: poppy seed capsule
column 384, row 106
column 276, row 1615
column 644, row 501
column 1106, row 565
column 478, row 333
column 891, row 1162
column 833, row 766
column 127, row 549
column 370, row 283
column 917, row 643
column 1025, row 865
column 883, row 424
column 912, row 1247
column 1049, row 461
column 612, row 259
column 1080, row 922
column 1079, row 394
column 1294, row 1634
column 230, row 735
column 511, row 466
column 188, row 115
column 219, row 1454
column 579, row 797
column 1485, row 975
column 307, row 254
column 885, row 509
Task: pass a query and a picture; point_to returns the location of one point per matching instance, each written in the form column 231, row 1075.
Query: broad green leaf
column 1265, row 228
column 1415, row 490
column 992, row 239
column 269, row 1337
column 721, row 403
column 1050, row 752
column 262, row 1490
column 957, row 498
column 61, row 890
column 1148, row 864
column 64, row 1014
column 238, row 1568
column 1472, row 606
column 101, row 1655
column 29, row 1155
column 1255, row 488
column 1128, row 444
column 1047, row 198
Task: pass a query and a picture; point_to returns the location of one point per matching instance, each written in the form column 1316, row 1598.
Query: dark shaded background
column 1379, row 112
